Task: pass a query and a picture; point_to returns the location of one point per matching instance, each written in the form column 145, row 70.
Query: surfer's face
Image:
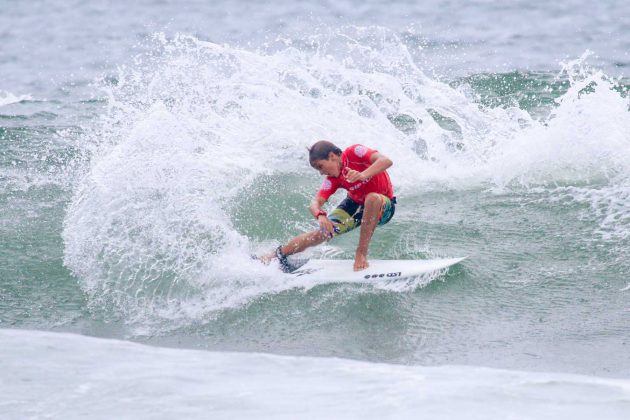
column 328, row 167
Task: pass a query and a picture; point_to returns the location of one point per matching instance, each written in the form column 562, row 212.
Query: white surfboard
column 342, row 270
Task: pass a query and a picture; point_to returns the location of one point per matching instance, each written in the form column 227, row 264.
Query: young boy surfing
column 370, row 201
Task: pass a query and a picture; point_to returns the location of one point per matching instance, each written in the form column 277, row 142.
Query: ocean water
column 148, row 149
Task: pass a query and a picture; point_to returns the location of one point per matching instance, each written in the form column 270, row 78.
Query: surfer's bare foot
column 360, row 262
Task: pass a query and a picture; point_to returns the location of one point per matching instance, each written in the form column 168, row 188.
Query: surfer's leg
column 372, row 212
column 303, row 241
column 345, row 217
column 295, row 245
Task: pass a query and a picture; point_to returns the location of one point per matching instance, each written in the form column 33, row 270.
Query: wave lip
column 71, row 376
column 8, row 98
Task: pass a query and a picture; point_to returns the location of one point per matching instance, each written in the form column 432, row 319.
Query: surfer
column 370, row 201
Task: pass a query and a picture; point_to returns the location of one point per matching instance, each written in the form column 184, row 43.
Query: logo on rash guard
column 326, row 185
column 360, row 151
column 360, row 184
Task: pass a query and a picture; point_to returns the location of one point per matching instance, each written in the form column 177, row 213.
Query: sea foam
column 53, row 375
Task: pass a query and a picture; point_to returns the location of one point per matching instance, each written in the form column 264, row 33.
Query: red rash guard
column 357, row 157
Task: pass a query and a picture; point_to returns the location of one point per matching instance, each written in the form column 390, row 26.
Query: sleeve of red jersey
column 328, row 188
column 360, row 153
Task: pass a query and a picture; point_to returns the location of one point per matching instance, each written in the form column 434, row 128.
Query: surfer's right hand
column 326, row 227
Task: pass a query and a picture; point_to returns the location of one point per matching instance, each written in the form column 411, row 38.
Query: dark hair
column 321, row 150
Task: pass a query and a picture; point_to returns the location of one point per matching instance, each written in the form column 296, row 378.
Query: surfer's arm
column 316, row 205
column 379, row 163
column 325, row 225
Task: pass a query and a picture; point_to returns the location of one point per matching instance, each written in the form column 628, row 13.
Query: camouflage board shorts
column 349, row 213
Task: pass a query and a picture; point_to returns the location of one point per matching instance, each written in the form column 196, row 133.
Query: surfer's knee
column 373, row 206
column 373, row 200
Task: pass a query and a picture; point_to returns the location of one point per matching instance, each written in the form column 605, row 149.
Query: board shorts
column 349, row 213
